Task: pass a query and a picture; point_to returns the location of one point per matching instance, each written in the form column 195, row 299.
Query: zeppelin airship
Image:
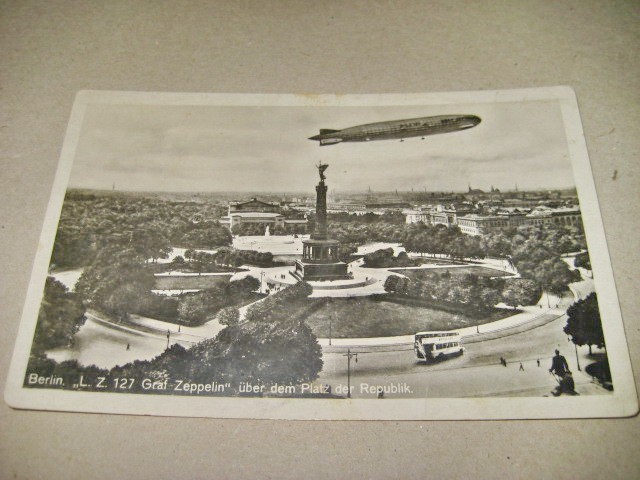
column 397, row 129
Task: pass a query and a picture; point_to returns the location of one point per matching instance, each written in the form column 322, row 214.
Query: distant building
column 253, row 205
column 567, row 216
column 256, row 211
column 474, row 191
column 480, row 224
column 473, row 223
column 417, row 216
column 357, row 208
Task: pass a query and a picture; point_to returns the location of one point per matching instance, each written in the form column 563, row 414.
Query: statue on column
column 320, row 260
column 321, row 168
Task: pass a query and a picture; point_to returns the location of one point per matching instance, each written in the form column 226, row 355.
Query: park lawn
column 433, row 261
column 414, row 262
column 192, row 282
column 478, row 270
column 358, row 317
column 189, row 268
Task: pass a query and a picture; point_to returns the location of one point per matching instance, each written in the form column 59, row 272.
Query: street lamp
column 261, row 281
column 329, row 330
column 349, row 356
column 548, row 301
column 577, row 361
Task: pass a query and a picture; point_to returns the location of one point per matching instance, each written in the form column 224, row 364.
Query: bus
column 430, row 346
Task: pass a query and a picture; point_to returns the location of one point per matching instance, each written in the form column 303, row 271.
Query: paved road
column 475, row 374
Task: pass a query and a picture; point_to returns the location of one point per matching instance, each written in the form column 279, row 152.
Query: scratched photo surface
column 282, row 256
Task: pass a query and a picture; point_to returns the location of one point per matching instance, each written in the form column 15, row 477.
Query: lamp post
column 548, row 302
column 577, row 361
column 261, row 281
column 329, row 330
column 349, row 356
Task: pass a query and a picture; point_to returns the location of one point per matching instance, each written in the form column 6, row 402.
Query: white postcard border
column 622, row 402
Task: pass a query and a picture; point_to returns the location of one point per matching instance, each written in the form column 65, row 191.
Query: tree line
column 227, row 257
column 247, row 351
column 89, row 222
column 470, row 293
column 197, row 307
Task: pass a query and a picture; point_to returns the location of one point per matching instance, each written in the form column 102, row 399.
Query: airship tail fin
column 324, row 131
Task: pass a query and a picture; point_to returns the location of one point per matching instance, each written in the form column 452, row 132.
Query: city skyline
column 266, row 148
column 333, row 192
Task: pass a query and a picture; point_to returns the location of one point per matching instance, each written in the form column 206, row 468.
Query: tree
column 197, row 307
column 584, row 324
column 243, row 286
column 206, row 235
column 72, row 248
column 150, row 243
column 379, row 259
column 271, row 346
column 228, row 316
column 583, row 261
column 554, row 275
column 61, row 316
column 496, row 244
column 520, row 291
column 193, row 309
column 118, row 281
column 391, row 283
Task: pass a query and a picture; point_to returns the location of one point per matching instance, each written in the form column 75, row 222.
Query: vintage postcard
column 423, row 256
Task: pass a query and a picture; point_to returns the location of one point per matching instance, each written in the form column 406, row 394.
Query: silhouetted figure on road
column 560, row 367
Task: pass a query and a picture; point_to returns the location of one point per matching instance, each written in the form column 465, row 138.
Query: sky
column 205, row 148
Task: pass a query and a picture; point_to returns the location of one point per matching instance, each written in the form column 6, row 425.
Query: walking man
column 559, row 365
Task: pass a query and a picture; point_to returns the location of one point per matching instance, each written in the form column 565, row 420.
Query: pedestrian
column 521, row 367
column 380, row 392
column 128, row 346
column 559, row 365
column 538, row 361
column 540, row 306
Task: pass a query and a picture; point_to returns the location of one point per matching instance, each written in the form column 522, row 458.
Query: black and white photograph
column 415, row 256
